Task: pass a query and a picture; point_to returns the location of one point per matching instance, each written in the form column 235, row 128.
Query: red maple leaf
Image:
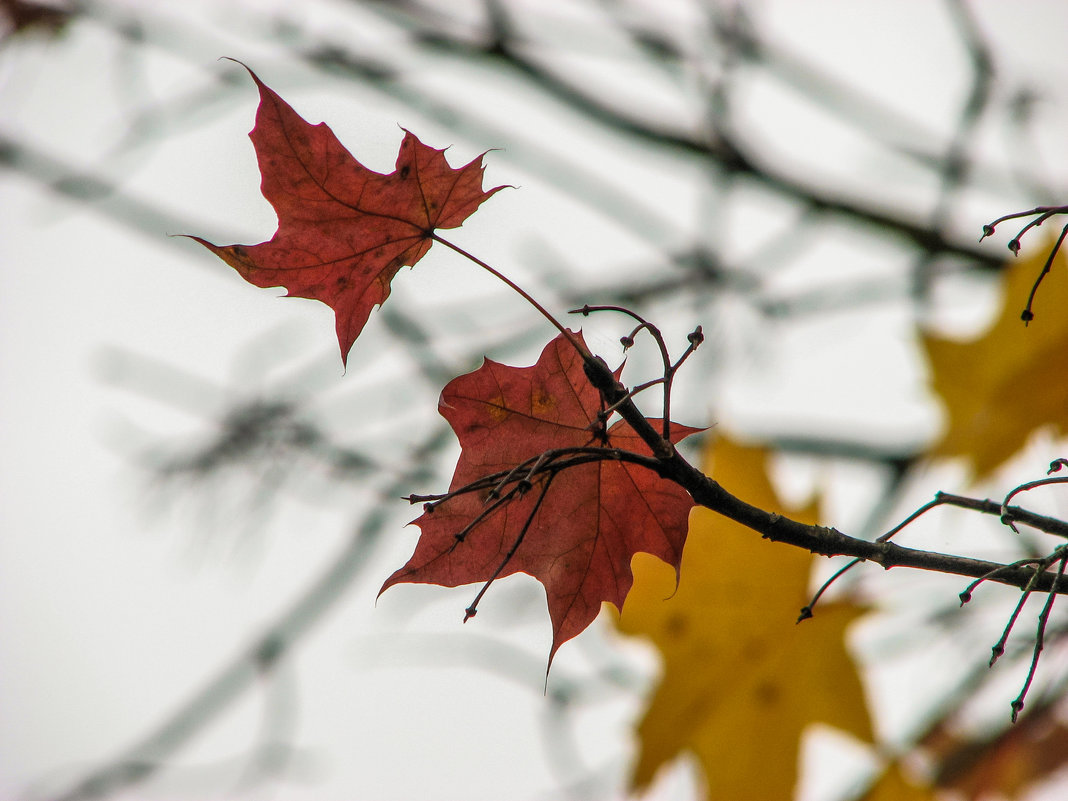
column 344, row 230
column 574, row 530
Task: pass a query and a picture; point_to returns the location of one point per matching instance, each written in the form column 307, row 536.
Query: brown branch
column 1007, row 514
column 550, row 461
column 779, row 528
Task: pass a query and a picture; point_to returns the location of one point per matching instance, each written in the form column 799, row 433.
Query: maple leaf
column 741, row 680
column 344, row 231
column 1000, row 387
column 576, row 530
column 893, row 785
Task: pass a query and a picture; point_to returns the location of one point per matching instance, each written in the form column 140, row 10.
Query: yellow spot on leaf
column 496, row 408
column 542, row 403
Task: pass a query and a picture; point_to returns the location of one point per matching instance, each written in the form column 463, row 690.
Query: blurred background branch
column 690, row 159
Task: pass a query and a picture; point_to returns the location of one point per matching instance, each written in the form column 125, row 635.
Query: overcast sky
column 119, row 598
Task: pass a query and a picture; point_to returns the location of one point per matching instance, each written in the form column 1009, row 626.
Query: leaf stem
column 575, row 342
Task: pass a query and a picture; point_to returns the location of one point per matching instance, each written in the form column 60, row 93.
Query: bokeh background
column 199, row 505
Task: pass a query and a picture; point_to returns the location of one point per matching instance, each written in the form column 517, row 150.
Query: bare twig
column 806, row 611
column 472, row 609
column 1030, row 485
column 1040, row 636
column 1040, row 214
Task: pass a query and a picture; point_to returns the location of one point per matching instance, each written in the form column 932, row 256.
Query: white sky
column 112, row 614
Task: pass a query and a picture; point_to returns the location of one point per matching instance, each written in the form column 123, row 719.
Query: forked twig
column 1040, row 214
column 695, row 338
column 966, row 594
column 806, row 611
column 1040, row 637
column 1030, row 485
column 555, row 459
column 1049, row 525
column 999, row 647
column 472, row 610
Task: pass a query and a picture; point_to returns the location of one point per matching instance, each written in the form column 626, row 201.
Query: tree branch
column 779, row 528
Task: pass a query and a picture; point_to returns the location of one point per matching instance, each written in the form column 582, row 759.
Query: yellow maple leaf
column 741, row 680
column 1002, row 386
column 893, row 786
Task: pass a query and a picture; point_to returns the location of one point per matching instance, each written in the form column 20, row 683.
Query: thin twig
column 1045, row 211
column 806, row 611
column 1028, row 315
column 1049, row 525
column 628, row 341
column 556, row 459
column 999, row 646
column 966, row 594
column 1030, row 485
column 1040, row 214
column 1040, row 637
column 472, row 610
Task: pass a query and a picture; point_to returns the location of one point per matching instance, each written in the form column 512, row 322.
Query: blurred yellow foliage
column 1002, row 386
column 893, row 786
column 742, row 681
